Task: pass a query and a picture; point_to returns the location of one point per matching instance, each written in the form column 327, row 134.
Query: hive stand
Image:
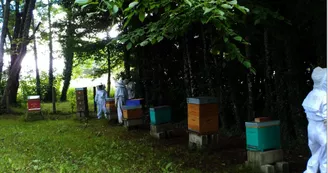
column 267, row 161
column 202, row 141
column 161, row 131
column 132, row 123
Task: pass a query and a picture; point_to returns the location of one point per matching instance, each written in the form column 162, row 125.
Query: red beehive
column 33, row 103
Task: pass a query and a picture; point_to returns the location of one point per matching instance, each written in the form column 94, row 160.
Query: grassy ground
column 71, row 146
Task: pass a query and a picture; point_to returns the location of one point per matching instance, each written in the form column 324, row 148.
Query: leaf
column 133, row 4
column 225, row 39
column 226, row 6
column 188, row 2
column 128, row 46
column 142, row 16
column 160, row 38
column 115, row 9
column 242, row 9
column 233, row 2
column 207, row 10
column 220, row 12
column 83, row 6
column 247, row 64
column 144, row 43
column 257, row 21
column 81, row 2
column 238, row 38
column 168, row 165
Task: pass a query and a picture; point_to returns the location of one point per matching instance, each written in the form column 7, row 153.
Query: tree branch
column 8, row 33
column 34, row 31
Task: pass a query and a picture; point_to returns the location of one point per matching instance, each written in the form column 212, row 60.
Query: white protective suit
column 121, row 95
column 130, row 88
column 315, row 106
column 100, row 99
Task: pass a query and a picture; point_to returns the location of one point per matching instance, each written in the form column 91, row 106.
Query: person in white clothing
column 130, row 88
column 100, row 99
column 121, row 95
column 315, row 106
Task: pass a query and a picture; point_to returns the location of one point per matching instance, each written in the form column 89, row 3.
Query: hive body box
column 134, row 102
column 203, row 115
column 160, row 115
column 262, row 136
column 33, row 103
column 110, row 104
column 82, row 100
column 132, row 112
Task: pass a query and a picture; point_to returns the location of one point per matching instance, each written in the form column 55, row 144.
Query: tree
column 4, row 31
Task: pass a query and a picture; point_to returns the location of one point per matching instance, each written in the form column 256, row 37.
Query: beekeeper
column 100, row 99
column 130, row 88
column 121, row 95
column 315, row 106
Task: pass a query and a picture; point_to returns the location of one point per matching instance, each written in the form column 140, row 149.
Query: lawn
column 71, row 146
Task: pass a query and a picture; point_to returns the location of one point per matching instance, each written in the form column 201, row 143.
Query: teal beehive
column 262, row 136
column 160, row 115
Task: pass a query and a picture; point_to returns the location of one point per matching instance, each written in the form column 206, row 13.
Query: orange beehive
column 33, row 103
column 203, row 115
column 132, row 112
column 110, row 104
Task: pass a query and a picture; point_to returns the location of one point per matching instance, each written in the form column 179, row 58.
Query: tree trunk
column 268, row 75
column 249, row 86
column 108, row 65
column 12, row 82
column 38, row 83
column 4, row 33
column 51, row 75
column 69, row 57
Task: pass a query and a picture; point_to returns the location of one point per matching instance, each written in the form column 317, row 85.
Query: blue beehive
column 262, row 136
column 160, row 115
column 134, row 102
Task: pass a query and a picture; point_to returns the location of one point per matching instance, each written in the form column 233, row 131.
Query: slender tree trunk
column 38, row 83
column 108, row 65
column 250, row 78
column 69, row 56
column 4, row 33
column 12, row 82
column 51, row 58
column 268, row 75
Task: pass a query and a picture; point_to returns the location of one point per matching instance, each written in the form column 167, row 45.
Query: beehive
column 110, row 104
column 81, row 100
column 160, row 115
column 134, row 102
column 262, row 136
column 132, row 112
column 203, row 115
column 33, row 103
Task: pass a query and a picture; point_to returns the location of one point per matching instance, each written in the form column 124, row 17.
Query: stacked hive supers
column 203, row 115
column 82, row 102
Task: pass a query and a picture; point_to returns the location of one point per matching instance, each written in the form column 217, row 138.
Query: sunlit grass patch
column 71, row 146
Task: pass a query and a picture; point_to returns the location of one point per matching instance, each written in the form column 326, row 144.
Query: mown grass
column 71, row 146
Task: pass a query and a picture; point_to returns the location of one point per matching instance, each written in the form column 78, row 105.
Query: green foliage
column 28, row 86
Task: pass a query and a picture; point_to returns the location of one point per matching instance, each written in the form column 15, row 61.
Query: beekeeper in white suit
column 130, row 88
column 315, row 106
column 100, row 99
column 121, row 95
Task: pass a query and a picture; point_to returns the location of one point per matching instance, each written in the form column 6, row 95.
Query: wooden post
column 94, row 102
column 53, row 100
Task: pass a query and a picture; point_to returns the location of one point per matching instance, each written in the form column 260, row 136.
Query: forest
column 255, row 56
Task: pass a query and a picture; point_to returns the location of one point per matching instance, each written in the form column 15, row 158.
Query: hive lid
column 131, row 107
column 202, row 100
column 159, row 107
column 80, row 89
column 110, row 99
column 262, row 124
column 33, row 97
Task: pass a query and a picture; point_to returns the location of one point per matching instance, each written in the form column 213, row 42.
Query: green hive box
column 262, row 136
column 160, row 115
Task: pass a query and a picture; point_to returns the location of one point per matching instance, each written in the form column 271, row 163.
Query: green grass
column 71, row 146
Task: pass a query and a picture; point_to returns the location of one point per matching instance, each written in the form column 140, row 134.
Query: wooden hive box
column 132, row 112
column 110, row 104
column 160, row 115
column 81, row 100
column 33, row 103
column 203, row 115
column 263, row 136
